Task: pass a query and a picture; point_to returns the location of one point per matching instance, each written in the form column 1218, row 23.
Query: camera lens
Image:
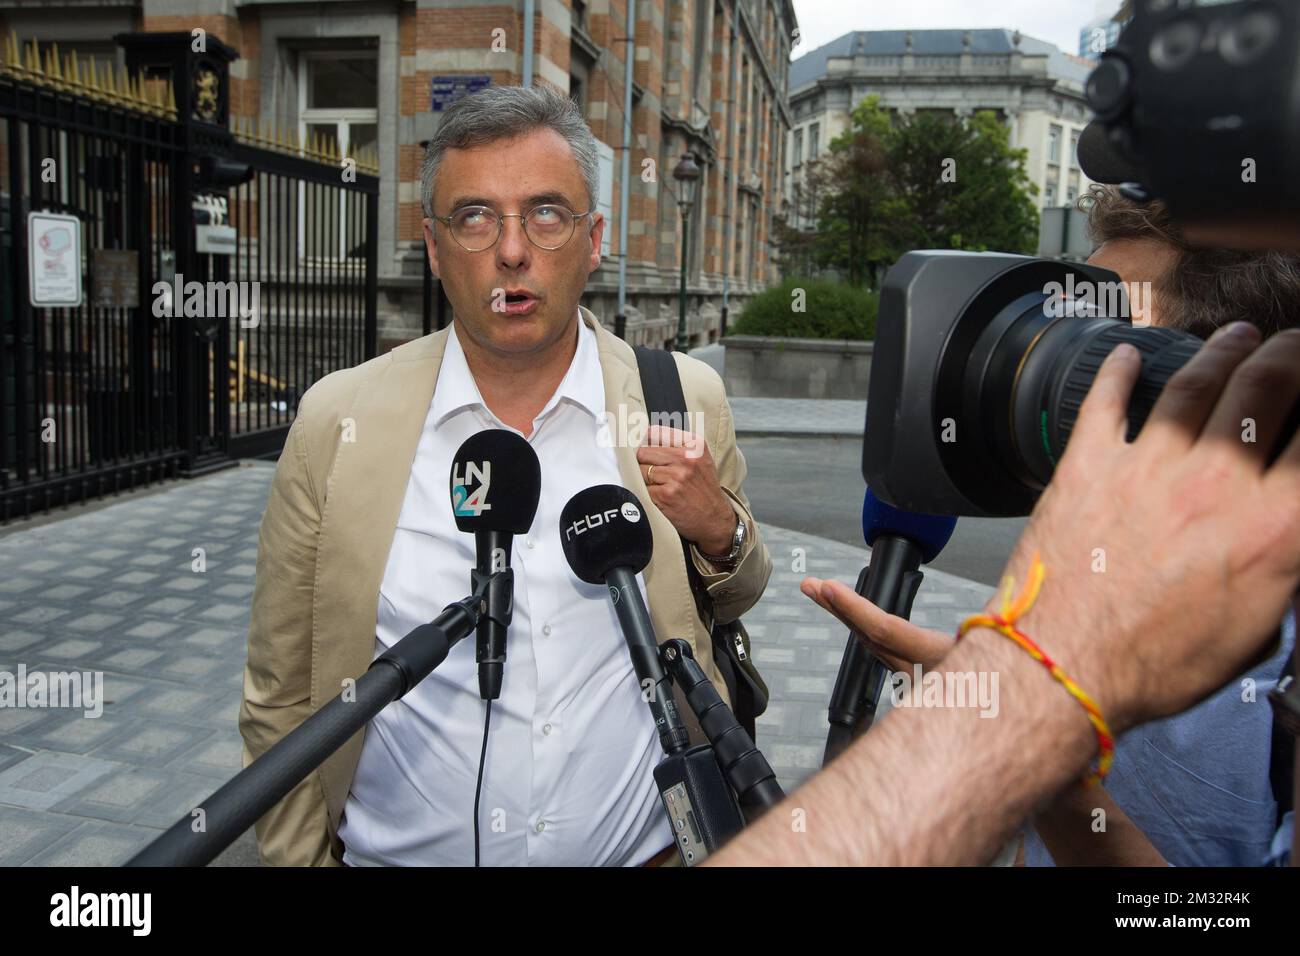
column 1249, row 38
column 1175, row 46
column 1017, row 366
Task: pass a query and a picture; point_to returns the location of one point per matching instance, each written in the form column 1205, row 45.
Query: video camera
column 1198, row 105
column 1202, row 99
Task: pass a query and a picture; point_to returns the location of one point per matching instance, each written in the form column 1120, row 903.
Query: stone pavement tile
column 11, row 754
column 95, row 844
column 93, row 623
column 119, row 798
column 86, row 572
column 183, row 793
column 223, row 712
column 25, row 833
column 70, row 650
column 118, row 598
column 129, row 658
column 190, row 668
column 19, row 585
column 154, row 744
column 220, row 757
column 19, row 640
column 64, row 592
column 46, row 778
column 194, row 583
column 40, row 614
column 169, row 702
column 215, row 640
column 147, row 630
column 120, row 689
column 20, row 725
column 75, row 733
column 135, row 578
column 168, row 607
column 224, row 612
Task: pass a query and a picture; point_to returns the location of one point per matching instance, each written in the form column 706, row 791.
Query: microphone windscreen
column 604, row 527
column 1101, row 161
column 929, row 532
column 495, row 483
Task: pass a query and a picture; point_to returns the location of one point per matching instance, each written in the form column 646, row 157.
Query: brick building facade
column 710, row 77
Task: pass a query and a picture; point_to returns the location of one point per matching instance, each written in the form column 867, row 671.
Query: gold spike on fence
column 12, row 60
column 34, row 61
column 72, row 72
column 9, row 61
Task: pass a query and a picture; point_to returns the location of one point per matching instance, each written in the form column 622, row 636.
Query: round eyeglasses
column 477, row 228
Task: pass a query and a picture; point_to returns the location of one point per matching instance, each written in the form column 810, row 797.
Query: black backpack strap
column 662, row 386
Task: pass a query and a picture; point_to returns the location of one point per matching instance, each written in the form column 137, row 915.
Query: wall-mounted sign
column 53, row 260
column 216, row 240
column 115, row 278
column 445, row 90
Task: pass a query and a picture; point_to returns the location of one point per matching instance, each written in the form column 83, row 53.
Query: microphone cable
column 478, row 788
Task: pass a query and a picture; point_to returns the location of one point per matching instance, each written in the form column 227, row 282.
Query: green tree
column 961, row 185
column 889, row 184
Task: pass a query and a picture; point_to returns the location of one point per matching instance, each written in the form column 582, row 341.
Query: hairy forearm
column 933, row 786
column 1077, row 834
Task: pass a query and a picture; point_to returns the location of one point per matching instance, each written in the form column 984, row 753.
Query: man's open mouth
column 519, row 302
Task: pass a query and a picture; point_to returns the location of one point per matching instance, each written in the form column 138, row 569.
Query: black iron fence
column 221, row 275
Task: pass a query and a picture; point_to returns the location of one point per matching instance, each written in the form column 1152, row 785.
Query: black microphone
column 900, row 543
column 496, row 481
column 607, row 540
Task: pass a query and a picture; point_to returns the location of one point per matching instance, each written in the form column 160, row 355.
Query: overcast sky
column 1056, row 21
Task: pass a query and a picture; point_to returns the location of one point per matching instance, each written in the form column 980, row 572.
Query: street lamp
column 687, row 175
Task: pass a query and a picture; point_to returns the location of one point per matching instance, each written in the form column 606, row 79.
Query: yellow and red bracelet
column 1004, row 623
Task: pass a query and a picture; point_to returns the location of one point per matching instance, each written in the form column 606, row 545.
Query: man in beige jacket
column 509, row 187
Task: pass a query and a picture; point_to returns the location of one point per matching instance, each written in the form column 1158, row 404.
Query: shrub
column 831, row 310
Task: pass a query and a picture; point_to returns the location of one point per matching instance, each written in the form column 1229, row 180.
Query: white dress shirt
column 572, row 745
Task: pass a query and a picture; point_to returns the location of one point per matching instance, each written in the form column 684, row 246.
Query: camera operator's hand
column 895, row 640
column 1169, row 561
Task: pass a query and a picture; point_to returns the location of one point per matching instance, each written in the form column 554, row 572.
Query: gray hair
column 504, row 112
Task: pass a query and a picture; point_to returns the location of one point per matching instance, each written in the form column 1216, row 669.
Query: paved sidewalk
column 788, row 417
column 115, row 590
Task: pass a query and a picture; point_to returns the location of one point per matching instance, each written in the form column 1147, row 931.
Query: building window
column 1074, row 149
column 579, row 14
column 1049, row 195
column 814, row 135
column 338, row 103
column 577, row 93
column 1054, row 145
column 798, row 148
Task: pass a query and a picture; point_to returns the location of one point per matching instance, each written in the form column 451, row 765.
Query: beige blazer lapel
column 364, row 497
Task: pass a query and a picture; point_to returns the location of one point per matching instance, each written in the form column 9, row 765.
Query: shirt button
column 546, row 629
column 541, row 825
column 528, row 542
column 546, row 729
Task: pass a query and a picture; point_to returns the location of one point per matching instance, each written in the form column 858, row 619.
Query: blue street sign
column 446, row 90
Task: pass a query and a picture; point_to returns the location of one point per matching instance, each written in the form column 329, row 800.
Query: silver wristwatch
column 737, row 542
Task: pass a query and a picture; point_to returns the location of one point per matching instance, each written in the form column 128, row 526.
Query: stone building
column 1030, row 84
column 710, row 77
